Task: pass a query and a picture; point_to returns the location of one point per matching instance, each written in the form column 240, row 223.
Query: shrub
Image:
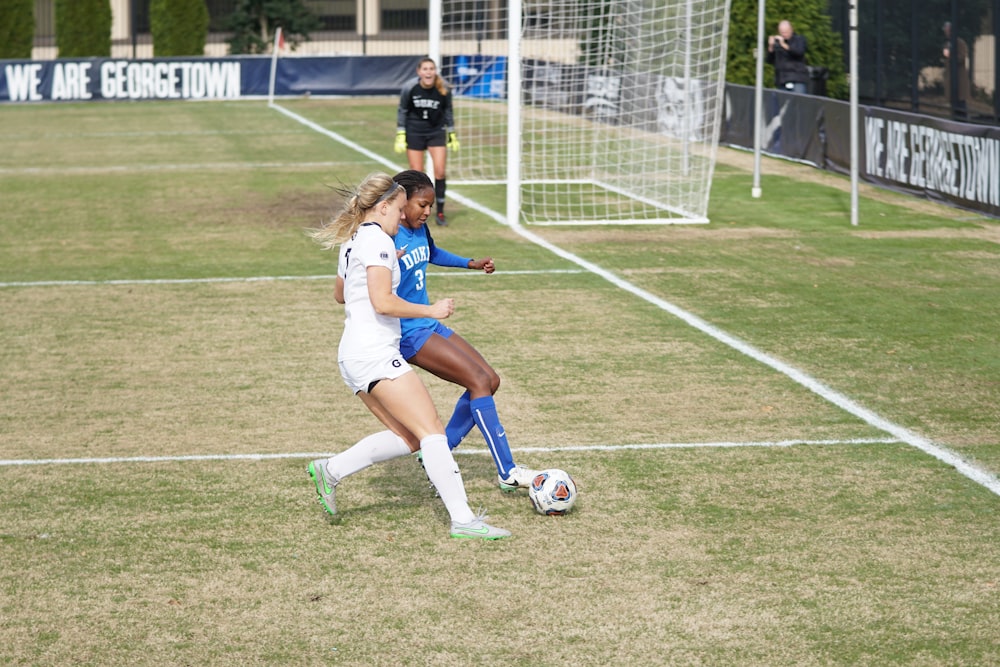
column 17, row 29
column 83, row 28
column 179, row 27
column 254, row 22
column 809, row 19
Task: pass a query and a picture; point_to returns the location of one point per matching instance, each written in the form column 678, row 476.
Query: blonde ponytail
column 357, row 203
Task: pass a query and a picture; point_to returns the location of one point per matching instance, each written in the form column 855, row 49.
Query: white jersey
column 367, row 335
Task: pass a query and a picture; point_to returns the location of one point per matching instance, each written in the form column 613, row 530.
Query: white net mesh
column 622, row 100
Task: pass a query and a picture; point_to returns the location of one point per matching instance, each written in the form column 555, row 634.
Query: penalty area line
column 465, row 452
column 259, row 279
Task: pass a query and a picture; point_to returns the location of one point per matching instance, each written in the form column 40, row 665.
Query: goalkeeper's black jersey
column 424, row 110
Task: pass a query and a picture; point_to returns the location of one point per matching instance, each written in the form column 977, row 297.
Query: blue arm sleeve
column 441, row 257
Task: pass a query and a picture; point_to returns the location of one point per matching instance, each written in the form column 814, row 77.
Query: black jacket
column 789, row 64
column 424, row 110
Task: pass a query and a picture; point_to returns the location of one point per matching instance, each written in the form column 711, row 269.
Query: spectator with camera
column 787, row 52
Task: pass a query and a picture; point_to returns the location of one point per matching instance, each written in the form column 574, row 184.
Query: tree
column 254, row 22
column 83, row 28
column 808, row 17
column 17, row 28
column 179, row 27
column 598, row 43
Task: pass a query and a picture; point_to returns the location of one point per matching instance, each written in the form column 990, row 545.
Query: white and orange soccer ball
column 552, row 492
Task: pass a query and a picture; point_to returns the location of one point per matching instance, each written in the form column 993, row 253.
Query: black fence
column 941, row 159
column 936, row 57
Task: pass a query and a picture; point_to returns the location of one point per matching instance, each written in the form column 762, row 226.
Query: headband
column 387, row 194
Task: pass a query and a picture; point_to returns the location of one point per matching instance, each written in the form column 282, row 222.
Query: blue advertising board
column 200, row 78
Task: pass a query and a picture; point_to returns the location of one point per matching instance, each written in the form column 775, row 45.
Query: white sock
column 375, row 448
column 446, row 478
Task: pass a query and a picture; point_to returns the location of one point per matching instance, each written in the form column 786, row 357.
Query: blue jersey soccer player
column 436, row 348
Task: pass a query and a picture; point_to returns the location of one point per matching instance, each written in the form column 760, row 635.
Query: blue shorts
column 413, row 340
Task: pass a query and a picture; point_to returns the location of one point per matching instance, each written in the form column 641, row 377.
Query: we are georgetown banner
column 95, row 79
column 940, row 159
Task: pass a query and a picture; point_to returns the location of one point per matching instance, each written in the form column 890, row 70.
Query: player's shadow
column 401, row 486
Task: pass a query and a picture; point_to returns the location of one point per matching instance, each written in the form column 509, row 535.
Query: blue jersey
column 419, row 252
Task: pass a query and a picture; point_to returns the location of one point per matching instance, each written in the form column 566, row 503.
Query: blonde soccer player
column 370, row 361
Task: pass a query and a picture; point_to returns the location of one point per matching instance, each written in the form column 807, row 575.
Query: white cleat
column 518, row 478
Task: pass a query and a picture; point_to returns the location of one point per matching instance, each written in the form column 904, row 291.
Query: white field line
column 469, row 451
column 258, row 279
column 943, row 454
column 899, row 433
column 388, row 164
column 154, row 133
column 202, row 166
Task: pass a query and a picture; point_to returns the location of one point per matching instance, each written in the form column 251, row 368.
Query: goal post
column 615, row 119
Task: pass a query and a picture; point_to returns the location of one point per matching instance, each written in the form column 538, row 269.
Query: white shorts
column 360, row 374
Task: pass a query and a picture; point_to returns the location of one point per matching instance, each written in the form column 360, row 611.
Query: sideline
column 943, row 454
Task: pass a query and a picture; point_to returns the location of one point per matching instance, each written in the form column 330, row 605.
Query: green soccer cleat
column 478, row 529
column 325, row 487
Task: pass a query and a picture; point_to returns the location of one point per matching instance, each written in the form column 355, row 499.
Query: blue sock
column 484, row 412
column 461, row 422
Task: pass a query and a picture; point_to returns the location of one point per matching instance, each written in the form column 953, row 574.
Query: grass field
column 784, row 429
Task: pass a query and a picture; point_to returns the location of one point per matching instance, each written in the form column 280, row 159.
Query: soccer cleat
column 477, row 529
column 324, row 488
column 420, row 460
column 441, row 220
column 518, row 478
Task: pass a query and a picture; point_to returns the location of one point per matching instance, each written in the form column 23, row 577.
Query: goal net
column 614, row 112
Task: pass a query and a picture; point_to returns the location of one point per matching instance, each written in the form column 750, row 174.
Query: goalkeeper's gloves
column 400, row 145
column 453, row 141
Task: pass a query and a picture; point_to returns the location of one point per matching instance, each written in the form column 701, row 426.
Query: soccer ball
column 552, row 492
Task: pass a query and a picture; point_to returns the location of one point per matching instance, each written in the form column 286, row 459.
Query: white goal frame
column 691, row 139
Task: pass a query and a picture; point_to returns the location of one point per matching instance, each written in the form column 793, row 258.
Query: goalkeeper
column 426, row 122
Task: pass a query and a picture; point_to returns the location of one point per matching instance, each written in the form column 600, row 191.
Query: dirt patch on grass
column 982, row 232
column 654, row 235
column 802, row 172
column 978, row 227
column 298, row 210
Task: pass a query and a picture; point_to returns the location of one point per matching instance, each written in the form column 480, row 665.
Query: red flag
column 281, row 40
